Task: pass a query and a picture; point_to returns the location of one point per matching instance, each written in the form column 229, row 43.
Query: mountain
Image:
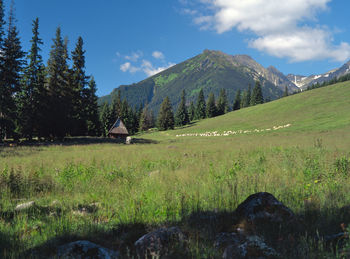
column 304, row 81
column 211, row 71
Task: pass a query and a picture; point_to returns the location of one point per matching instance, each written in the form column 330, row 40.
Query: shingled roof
column 118, row 128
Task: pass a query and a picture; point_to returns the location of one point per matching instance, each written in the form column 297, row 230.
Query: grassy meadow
column 112, row 194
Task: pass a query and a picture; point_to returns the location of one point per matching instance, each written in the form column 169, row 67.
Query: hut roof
column 118, row 128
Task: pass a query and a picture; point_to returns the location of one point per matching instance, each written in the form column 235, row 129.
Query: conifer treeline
column 206, row 109
column 50, row 101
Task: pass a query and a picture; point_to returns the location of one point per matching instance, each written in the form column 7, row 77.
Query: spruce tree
column 246, row 98
column 257, row 96
column 32, row 97
column 118, row 104
column 91, row 109
column 146, row 119
column 105, row 119
column 181, row 116
column 285, row 94
column 200, row 107
column 191, row 111
column 78, row 86
column 222, row 103
column 211, row 106
column 166, row 115
column 4, row 91
column 60, row 95
column 12, row 61
column 237, row 101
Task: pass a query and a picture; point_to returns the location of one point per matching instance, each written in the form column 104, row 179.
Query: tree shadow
column 73, row 141
column 317, row 232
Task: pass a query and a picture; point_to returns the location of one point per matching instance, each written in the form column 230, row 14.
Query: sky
column 127, row 41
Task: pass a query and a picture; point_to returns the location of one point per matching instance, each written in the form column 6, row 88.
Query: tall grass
column 114, row 193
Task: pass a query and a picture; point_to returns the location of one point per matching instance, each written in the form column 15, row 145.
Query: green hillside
column 320, row 110
column 211, row 70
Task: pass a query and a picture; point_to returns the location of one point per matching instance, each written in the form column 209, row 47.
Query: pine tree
column 78, row 85
column 4, row 91
column 222, row 103
column 32, row 97
column 146, row 119
column 200, row 106
column 285, row 94
column 105, row 119
column 134, row 121
column 92, row 120
column 12, row 61
column 246, row 98
column 181, row 117
column 166, row 115
column 237, row 101
column 257, row 96
column 191, row 111
column 211, row 106
column 118, row 104
column 60, row 96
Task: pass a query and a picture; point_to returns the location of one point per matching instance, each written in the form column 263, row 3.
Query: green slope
column 320, row 110
column 211, row 70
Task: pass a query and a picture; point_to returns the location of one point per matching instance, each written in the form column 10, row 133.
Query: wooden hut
column 118, row 130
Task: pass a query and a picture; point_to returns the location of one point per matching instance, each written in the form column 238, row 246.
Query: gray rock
column 262, row 211
column 159, row 243
column 224, row 240
column 253, row 247
column 85, row 249
column 25, row 206
column 264, row 206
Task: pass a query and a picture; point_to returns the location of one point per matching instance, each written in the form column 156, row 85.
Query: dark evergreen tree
column 91, row 108
column 285, row 94
column 211, row 106
column 5, row 93
column 181, row 116
column 32, row 97
column 257, row 96
column 78, row 85
column 133, row 120
column 191, row 111
column 12, row 62
column 60, row 95
column 166, row 115
column 118, row 104
column 237, row 101
column 222, row 103
column 246, row 98
column 105, row 119
column 146, row 119
column 200, row 106
column 127, row 116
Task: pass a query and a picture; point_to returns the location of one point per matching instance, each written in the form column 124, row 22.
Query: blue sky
column 128, row 40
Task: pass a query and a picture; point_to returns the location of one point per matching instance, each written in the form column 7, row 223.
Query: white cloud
column 158, row 54
column 134, row 56
column 150, row 70
column 146, row 66
column 127, row 67
column 279, row 26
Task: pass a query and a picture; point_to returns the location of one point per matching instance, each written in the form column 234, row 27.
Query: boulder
column 263, row 210
column 224, row 240
column 159, row 243
column 25, row 206
column 253, row 247
column 85, row 249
